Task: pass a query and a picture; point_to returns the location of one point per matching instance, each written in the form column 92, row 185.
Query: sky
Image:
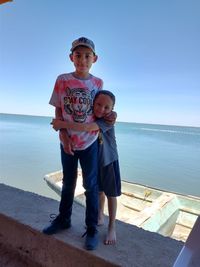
column 148, row 55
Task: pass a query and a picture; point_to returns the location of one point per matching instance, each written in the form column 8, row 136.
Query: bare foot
column 111, row 237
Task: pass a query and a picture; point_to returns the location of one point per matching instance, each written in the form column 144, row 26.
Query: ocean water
column 166, row 157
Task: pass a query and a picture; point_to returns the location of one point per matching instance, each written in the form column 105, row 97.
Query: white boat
column 167, row 213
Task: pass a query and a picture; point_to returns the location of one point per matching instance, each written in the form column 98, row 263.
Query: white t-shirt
column 75, row 98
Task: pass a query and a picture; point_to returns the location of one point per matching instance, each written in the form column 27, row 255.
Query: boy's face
column 83, row 58
column 103, row 105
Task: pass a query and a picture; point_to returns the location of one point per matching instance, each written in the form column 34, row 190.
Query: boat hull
column 167, row 213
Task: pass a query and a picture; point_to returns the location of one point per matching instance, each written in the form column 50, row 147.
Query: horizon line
column 48, row 116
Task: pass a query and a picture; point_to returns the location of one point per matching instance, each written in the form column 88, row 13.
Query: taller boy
column 72, row 98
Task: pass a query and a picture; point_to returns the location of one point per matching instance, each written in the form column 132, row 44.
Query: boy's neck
column 83, row 76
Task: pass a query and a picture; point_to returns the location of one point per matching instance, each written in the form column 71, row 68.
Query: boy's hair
column 105, row 92
column 83, row 41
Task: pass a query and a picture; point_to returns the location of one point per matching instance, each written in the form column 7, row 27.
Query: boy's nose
column 101, row 109
column 83, row 59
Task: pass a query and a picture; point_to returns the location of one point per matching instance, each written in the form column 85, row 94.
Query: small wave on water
column 170, row 131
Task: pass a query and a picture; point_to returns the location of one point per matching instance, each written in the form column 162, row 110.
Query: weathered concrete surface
column 23, row 216
column 10, row 257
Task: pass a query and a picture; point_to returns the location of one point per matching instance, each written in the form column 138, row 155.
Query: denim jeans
column 88, row 159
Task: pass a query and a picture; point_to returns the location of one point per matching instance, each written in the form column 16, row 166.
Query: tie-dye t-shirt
column 75, row 98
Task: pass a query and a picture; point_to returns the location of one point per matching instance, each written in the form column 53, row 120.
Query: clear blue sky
column 149, row 55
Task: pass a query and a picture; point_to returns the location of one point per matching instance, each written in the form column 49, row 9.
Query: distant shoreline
column 45, row 116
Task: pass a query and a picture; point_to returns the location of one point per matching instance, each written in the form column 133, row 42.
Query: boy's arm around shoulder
column 103, row 125
column 76, row 126
column 82, row 127
column 111, row 118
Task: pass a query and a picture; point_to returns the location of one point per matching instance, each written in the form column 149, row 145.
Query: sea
column 162, row 156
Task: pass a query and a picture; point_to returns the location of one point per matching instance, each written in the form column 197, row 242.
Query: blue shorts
column 109, row 179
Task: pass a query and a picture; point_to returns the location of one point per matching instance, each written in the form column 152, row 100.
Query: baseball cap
column 83, row 41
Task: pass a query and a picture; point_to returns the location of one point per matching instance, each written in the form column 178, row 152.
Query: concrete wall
column 23, row 216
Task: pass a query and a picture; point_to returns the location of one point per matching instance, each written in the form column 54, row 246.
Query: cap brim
column 82, row 44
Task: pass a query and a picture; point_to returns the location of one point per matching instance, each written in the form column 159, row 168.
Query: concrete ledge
column 23, row 215
column 40, row 250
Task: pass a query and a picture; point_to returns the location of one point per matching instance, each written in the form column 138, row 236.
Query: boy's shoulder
column 70, row 75
column 97, row 80
column 64, row 76
column 103, row 125
column 95, row 77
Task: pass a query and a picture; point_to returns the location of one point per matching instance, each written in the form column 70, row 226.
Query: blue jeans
column 88, row 159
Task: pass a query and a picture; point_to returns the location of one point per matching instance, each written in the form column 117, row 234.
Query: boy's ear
column 95, row 58
column 70, row 56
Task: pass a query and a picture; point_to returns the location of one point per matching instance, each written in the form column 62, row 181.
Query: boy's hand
column 68, row 148
column 65, row 139
column 57, row 124
column 111, row 118
column 67, row 143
